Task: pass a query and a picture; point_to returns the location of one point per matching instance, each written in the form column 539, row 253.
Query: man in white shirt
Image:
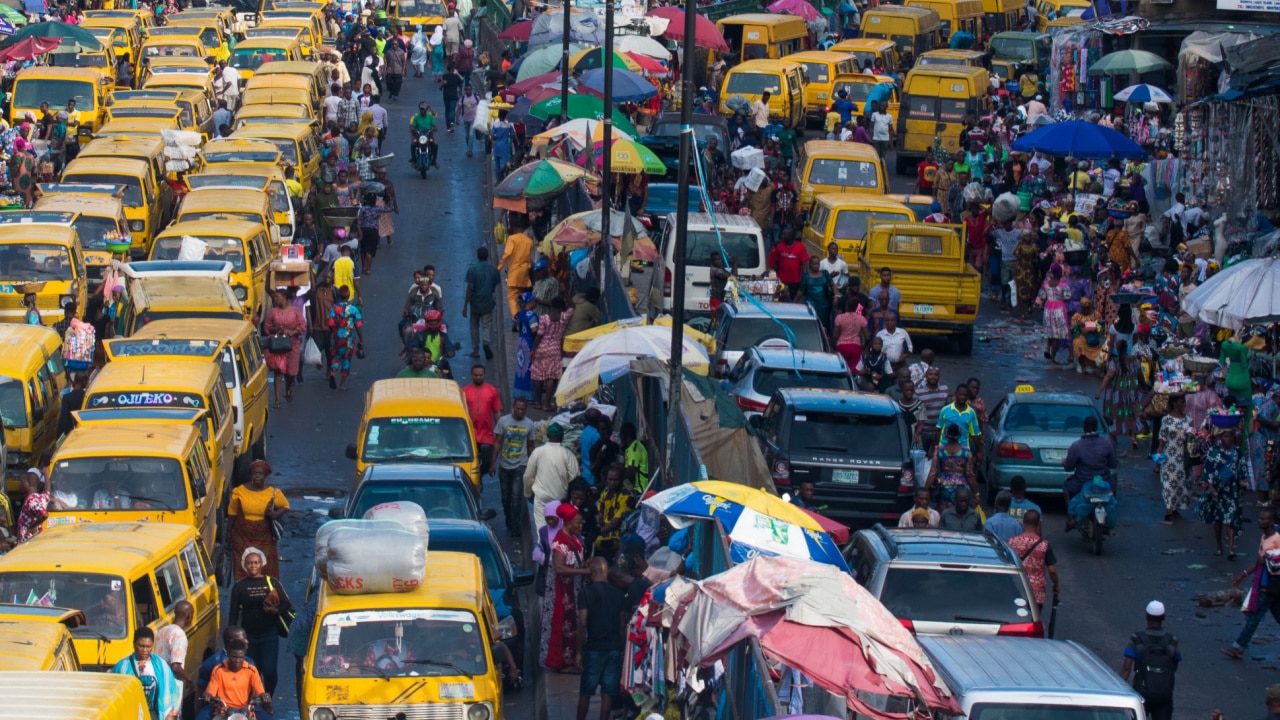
column 835, row 266
column 332, row 104
column 1178, row 212
column 897, row 343
column 546, row 477
column 379, row 114
column 1110, row 177
column 760, row 111
column 1035, row 108
column 881, row 129
column 230, row 85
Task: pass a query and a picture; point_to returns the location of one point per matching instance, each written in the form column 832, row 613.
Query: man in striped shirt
column 933, row 395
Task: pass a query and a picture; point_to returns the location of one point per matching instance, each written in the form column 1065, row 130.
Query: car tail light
column 781, row 471
column 666, row 282
column 1015, row 451
column 966, row 309
column 749, row 405
column 910, row 626
column 907, row 484
column 1031, row 630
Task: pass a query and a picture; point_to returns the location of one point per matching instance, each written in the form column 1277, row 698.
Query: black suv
column 853, row 446
column 664, row 138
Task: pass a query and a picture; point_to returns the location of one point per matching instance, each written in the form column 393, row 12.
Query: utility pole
column 564, row 65
column 606, row 162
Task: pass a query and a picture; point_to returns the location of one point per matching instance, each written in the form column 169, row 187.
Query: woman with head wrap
column 527, row 327
column 418, row 52
column 1054, row 296
column 565, row 571
column 254, row 507
column 257, row 603
column 436, row 44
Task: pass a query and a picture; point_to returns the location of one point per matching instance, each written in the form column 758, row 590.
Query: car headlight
column 286, row 231
column 323, row 713
column 507, row 628
column 137, row 226
column 65, row 300
column 85, row 130
column 478, row 712
column 240, row 292
column 19, row 459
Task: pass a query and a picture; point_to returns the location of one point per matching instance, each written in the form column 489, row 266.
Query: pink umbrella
column 528, row 84
column 517, row 32
column 705, row 32
column 652, row 66
column 799, row 8
column 29, row 48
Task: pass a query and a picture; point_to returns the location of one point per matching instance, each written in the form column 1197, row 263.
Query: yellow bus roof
column 91, row 75
column 957, row 54
column 23, row 347
column 765, row 65
column 123, row 144
column 279, row 80
column 188, row 293
column 101, row 164
column 760, row 19
column 958, row 72
column 287, row 67
column 148, row 438
column 831, row 56
column 903, row 11
column 212, row 228
column 196, row 329
column 215, row 199
column 836, row 201
column 452, row 580
column 97, row 205
column 142, row 376
column 282, row 130
column 98, row 547
column 864, row 43
column 266, row 43
column 27, row 645
column 857, row 151
column 71, row 696
column 404, row 392
column 137, row 126
column 21, row 234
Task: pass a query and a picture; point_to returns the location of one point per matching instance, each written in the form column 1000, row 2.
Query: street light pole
column 685, row 175
column 606, row 164
column 564, row 65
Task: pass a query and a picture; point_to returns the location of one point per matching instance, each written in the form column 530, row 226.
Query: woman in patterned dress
column 546, row 353
column 1266, row 415
column 952, row 468
column 1054, row 296
column 1026, row 256
column 1120, row 390
column 1223, row 481
column 1174, row 481
column 346, row 325
column 527, row 327
column 560, row 602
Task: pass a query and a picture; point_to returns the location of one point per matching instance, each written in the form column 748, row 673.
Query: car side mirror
column 488, row 514
column 336, row 513
column 522, row 577
column 351, row 452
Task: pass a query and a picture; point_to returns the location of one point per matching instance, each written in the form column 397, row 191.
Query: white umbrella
column 580, row 132
column 1143, row 94
column 1247, row 292
column 641, row 45
column 609, row 357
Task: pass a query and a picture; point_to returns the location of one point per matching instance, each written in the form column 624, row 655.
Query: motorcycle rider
column 435, row 340
column 234, row 685
column 424, row 123
column 1092, row 455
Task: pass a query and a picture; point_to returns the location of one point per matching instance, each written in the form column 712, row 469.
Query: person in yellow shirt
column 517, row 260
column 291, row 183
column 832, row 124
column 344, row 273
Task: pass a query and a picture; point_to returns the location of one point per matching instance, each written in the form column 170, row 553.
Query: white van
column 740, row 237
column 1012, row 678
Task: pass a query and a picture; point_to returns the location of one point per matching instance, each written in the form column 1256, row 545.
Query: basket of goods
column 27, row 288
column 1198, row 364
column 1225, row 417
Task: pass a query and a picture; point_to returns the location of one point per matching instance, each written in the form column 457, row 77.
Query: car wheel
column 966, row 342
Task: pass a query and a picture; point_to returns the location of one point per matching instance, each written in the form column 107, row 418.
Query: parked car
column 946, row 582
column 663, row 200
column 852, row 445
column 473, row 537
column 766, row 368
column 442, row 491
column 740, row 326
column 1029, row 435
column 664, row 138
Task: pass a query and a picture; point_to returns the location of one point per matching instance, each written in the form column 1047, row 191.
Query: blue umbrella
column 1143, row 94
column 1079, row 139
column 627, row 86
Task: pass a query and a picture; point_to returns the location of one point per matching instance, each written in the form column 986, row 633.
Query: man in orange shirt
column 517, row 260
column 233, row 685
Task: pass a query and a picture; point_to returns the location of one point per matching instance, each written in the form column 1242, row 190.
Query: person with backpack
column 1152, row 656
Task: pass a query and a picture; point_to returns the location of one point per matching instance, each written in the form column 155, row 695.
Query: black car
column 473, row 537
column 852, row 445
column 664, row 138
column 442, row 491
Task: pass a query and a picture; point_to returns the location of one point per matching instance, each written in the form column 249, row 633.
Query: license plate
column 924, row 309
column 1053, row 455
column 457, row 691
column 845, row 476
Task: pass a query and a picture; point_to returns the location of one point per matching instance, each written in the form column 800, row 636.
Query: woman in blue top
column 161, row 688
column 504, row 135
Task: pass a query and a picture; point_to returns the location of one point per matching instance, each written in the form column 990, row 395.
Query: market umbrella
column 649, row 65
column 628, row 157
column 575, row 342
column 584, row 60
column 583, row 106
column 14, row 18
column 29, row 48
column 641, row 45
column 537, row 180
column 1245, row 293
column 627, row 85
column 580, row 131
column 1125, row 62
column 1043, row 119
column 519, row 112
column 757, row 522
column 543, row 60
column 608, row 358
column 705, row 34
column 517, row 31
column 1143, row 94
column 1079, row 139
column 583, row 229
column 799, row 8
column 520, row 88
column 837, row 531
column 56, row 29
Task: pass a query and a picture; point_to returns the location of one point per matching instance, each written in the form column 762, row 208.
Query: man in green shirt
column 635, row 458
column 424, row 123
column 419, row 365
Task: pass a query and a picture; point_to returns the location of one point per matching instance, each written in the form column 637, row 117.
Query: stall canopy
column 1245, row 293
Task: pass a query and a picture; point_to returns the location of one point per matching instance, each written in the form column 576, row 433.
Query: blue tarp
column 35, row 6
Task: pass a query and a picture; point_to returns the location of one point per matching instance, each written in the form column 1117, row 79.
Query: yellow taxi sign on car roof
column 1025, row 388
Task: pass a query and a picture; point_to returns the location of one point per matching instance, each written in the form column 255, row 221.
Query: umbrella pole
column 564, row 65
column 606, row 166
column 687, row 148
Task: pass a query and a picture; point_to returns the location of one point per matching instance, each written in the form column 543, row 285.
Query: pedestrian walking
column 617, row 500
column 285, row 327
column 522, row 384
column 418, row 52
column 502, row 134
column 1152, row 657
column 602, row 619
column 1119, row 390
column 257, row 604
column 451, row 33
column 512, row 443
column 171, row 646
column 1263, row 592
column 952, row 469
column 1001, row 523
column 485, row 407
column 549, row 471
column 1171, row 450
column 1053, row 297
column 253, row 509
column 1223, row 481
column 566, row 569
column 451, row 87
column 396, row 60
column 547, row 351
column 467, row 115
column 517, row 260
column 346, row 325
column 479, row 303
column 1037, row 558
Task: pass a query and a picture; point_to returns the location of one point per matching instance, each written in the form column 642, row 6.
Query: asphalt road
column 445, row 217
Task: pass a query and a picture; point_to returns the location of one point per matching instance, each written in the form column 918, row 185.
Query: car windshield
column 34, row 262
column 819, row 72
column 1021, row 711
column 29, row 93
column 439, row 499
column 857, row 91
column 852, row 224
column 700, row 244
column 182, row 50
column 252, row 58
column 223, row 249
column 938, row 595
column 119, row 483
column 845, row 173
column 480, row 547
column 1047, row 418
column 288, row 152
column 93, row 231
column 748, row 332
column 766, row 380
column 935, row 60
column 81, row 60
column 401, row 643
column 864, row 58
column 238, row 156
column 825, row 431
column 437, row 439
column 132, row 185
column 749, row 83
column 13, row 403
column 1013, row 48
column 418, row 8
column 700, row 132
column 100, row 597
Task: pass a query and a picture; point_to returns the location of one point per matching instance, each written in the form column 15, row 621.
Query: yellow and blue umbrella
column 758, row 523
column 609, row 357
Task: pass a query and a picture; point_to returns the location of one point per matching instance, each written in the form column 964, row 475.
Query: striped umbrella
column 1144, row 94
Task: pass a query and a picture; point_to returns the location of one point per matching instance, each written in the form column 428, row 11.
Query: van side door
column 202, row 593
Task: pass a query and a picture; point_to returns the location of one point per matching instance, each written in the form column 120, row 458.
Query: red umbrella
column 528, row 84
column 800, row 8
column 517, row 32
column 705, row 32
column 653, row 66
column 29, row 48
column 838, row 532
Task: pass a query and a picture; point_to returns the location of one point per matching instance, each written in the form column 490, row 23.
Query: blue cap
column 526, row 297
column 936, row 207
column 542, row 264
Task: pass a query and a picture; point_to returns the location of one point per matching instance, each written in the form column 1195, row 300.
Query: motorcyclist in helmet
column 1092, row 455
column 435, row 340
column 423, row 123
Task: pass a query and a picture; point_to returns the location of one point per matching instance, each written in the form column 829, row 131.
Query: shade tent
column 706, row 34
column 1081, row 140
column 1126, row 62
column 1245, row 293
column 585, row 26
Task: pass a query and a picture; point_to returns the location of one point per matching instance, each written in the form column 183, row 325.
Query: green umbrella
column 582, row 106
column 1129, row 61
column 543, row 60
column 54, row 28
column 14, row 17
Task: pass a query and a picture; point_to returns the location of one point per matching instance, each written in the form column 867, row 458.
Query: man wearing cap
column 843, row 106
column 1035, row 108
column 1273, row 703
column 547, row 476
column 1154, row 654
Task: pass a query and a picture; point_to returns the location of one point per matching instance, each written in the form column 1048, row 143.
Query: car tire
column 965, row 341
